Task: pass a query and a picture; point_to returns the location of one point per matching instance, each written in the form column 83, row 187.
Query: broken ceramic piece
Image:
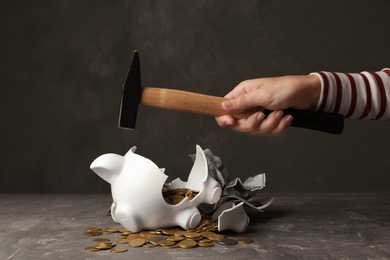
column 136, row 187
column 232, row 217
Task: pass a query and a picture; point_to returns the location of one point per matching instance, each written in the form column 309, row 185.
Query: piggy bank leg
column 127, row 217
column 213, row 191
column 113, row 214
column 188, row 218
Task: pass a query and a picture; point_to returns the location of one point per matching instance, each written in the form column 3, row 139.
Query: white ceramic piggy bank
column 136, row 187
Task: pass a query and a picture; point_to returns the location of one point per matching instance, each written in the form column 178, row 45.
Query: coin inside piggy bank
column 136, row 188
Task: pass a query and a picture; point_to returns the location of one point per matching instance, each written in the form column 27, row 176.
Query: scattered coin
column 170, row 246
column 206, row 243
column 124, row 230
column 166, row 242
column 175, row 238
column 93, row 229
column 244, row 240
column 137, row 242
column 122, row 237
column 93, row 233
column 192, row 234
column 118, row 250
column 168, row 232
column 204, row 235
column 105, row 245
column 148, row 245
column 113, row 229
column 122, row 241
column 91, row 249
column 179, row 233
column 133, row 236
column 227, row 241
column 188, row 244
column 156, row 239
column 98, row 240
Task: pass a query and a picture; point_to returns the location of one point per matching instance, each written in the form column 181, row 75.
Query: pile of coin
column 175, row 196
column 202, row 236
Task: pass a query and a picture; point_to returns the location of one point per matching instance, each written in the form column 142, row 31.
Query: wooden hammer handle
column 186, row 102
column 211, row 105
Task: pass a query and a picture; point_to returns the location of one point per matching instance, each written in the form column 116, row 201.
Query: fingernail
column 279, row 114
column 228, row 123
column 289, row 119
column 260, row 116
column 227, row 104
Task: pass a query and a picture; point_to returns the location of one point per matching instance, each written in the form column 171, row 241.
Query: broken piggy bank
column 136, row 187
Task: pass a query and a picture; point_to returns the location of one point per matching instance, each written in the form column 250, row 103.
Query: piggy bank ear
column 108, row 166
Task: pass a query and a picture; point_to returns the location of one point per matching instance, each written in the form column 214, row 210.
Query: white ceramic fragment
column 136, row 188
column 232, row 217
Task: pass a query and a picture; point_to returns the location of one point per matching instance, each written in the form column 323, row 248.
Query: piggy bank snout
column 107, row 166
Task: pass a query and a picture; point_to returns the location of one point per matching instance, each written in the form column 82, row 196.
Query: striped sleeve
column 364, row 95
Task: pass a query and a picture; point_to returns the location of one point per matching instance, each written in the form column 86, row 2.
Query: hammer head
column 131, row 95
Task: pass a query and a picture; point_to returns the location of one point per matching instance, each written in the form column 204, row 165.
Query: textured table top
column 295, row 226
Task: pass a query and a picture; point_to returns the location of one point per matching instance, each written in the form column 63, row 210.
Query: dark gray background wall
column 62, row 64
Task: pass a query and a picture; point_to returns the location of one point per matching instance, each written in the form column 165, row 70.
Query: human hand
column 299, row 92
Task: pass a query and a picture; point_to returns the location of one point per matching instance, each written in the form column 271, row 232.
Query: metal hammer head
column 131, row 95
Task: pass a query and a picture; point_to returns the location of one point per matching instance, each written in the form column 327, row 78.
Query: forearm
column 364, row 95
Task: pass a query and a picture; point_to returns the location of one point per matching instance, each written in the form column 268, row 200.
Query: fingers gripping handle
column 210, row 105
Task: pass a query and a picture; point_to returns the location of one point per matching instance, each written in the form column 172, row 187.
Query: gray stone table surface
column 295, row 226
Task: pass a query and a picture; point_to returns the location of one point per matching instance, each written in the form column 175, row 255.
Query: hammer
column 133, row 94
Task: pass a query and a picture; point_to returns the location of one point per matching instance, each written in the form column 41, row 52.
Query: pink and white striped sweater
column 364, row 95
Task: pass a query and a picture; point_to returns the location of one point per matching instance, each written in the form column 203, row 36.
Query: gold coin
column 122, row 236
column 113, row 229
column 98, row 240
column 168, row 231
column 165, row 242
column 244, row 240
column 92, row 233
column 123, row 230
column 91, row 249
column 175, row 238
column 196, row 238
column 207, row 233
column 192, row 234
column 137, row 242
column 146, row 236
column 204, row 222
column 118, row 250
column 104, row 245
column 93, row 229
column 147, row 245
column 179, row 232
column 181, row 191
column 190, row 196
column 188, row 244
column 206, row 243
column 107, row 232
column 170, row 246
column 215, row 237
column 133, row 236
column 175, row 199
column 122, row 241
column 156, row 232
